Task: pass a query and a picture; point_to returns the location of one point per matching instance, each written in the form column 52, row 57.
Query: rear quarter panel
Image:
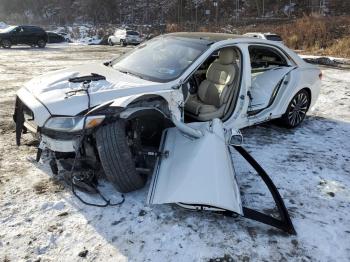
column 300, row 78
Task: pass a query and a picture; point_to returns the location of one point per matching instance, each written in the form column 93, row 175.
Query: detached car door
column 196, row 172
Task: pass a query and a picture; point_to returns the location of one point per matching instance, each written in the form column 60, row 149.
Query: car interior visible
column 213, row 86
column 268, row 69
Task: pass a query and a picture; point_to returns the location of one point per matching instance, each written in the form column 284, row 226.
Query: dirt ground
column 41, row 220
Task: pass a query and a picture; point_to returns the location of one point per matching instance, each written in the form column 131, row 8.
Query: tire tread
column 116, row 158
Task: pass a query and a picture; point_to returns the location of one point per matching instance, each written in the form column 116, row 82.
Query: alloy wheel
column 298, row 108
column 6, row 44
column 41, row 43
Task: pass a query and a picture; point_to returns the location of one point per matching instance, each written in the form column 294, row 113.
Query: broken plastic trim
column 285, row 222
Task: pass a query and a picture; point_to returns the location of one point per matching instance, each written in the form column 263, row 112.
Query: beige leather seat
column 214, row 92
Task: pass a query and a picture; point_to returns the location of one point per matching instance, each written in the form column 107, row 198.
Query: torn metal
column 208, row 181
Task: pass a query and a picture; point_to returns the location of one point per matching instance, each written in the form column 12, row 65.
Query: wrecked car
column 172, row 107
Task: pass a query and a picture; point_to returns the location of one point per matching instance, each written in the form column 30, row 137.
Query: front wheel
column 6, row 43
column 110, row 42
column 297, row 109
column 116, row 157
column 41, row 43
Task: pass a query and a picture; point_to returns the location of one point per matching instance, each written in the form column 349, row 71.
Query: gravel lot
column 40, row 219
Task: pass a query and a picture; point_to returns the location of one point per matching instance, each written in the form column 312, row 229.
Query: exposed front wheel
column 297, row 109
column 41, row 43
column 116, row 157
column 6, row 43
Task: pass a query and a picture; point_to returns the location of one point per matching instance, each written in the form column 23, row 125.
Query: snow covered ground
column 40, row 219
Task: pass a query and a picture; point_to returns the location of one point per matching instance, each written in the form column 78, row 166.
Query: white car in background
column 124, row 37
column 173, row 107
column 266, row 36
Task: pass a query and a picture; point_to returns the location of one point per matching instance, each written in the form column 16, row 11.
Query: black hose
column 86, row 85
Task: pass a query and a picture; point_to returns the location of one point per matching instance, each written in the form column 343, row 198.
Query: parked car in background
column 124, row 37
column 56, row 38
column 266, row 36
column 23, row 35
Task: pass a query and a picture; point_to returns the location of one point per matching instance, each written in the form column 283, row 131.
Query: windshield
column 162, row 59
column 132, row 33
column 7, row 29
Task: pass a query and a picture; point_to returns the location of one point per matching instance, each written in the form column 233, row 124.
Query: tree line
column 161, row 11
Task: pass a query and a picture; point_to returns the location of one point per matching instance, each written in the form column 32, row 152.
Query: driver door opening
column 212, row 90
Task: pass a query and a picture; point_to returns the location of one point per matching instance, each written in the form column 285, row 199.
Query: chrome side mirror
column 235, row 138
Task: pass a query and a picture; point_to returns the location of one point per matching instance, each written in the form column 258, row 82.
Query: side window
column 17, row 29
column 264, row 58
column 26, row 29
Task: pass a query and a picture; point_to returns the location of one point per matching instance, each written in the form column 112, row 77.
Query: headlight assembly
column 72, row 124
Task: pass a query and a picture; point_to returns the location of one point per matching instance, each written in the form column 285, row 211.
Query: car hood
column 54, row 90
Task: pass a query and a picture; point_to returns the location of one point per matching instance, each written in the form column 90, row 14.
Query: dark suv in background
column 24, row 34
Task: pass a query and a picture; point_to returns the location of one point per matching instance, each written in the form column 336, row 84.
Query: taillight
column 320, row 75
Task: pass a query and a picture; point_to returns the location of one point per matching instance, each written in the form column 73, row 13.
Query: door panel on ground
column 196, row 172
column 265, row 85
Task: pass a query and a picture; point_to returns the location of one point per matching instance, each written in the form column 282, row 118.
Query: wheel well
column 151, row 101
column 152, row 115
column 308, row 90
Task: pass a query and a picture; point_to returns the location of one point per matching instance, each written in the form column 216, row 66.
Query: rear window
column 132, row 33
column 273, row 37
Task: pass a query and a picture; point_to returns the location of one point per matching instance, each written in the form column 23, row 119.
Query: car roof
column 261, row 33
column 218, row 37
column 31, row 26
column 215, row 37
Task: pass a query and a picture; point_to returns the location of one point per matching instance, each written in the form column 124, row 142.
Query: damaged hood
column 56, row 93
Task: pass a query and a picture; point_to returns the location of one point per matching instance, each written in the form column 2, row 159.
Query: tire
column 297, row 109
column 41, row 43
column 110, row 42
column 122, row 42
column 116, row 158
column 6, row 43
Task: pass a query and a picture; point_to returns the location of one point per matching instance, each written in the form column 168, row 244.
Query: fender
column 135, row 112
column 172, row 98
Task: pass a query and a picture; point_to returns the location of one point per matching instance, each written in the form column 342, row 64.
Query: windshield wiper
column 130, row 73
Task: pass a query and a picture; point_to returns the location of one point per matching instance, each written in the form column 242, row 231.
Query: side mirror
column 235, row 137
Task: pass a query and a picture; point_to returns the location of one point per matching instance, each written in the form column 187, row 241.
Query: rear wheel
column 116, row 157
column 297, row 109
column 41, row 43
column 6, row 43
column 110, row 42
column 122, row 42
